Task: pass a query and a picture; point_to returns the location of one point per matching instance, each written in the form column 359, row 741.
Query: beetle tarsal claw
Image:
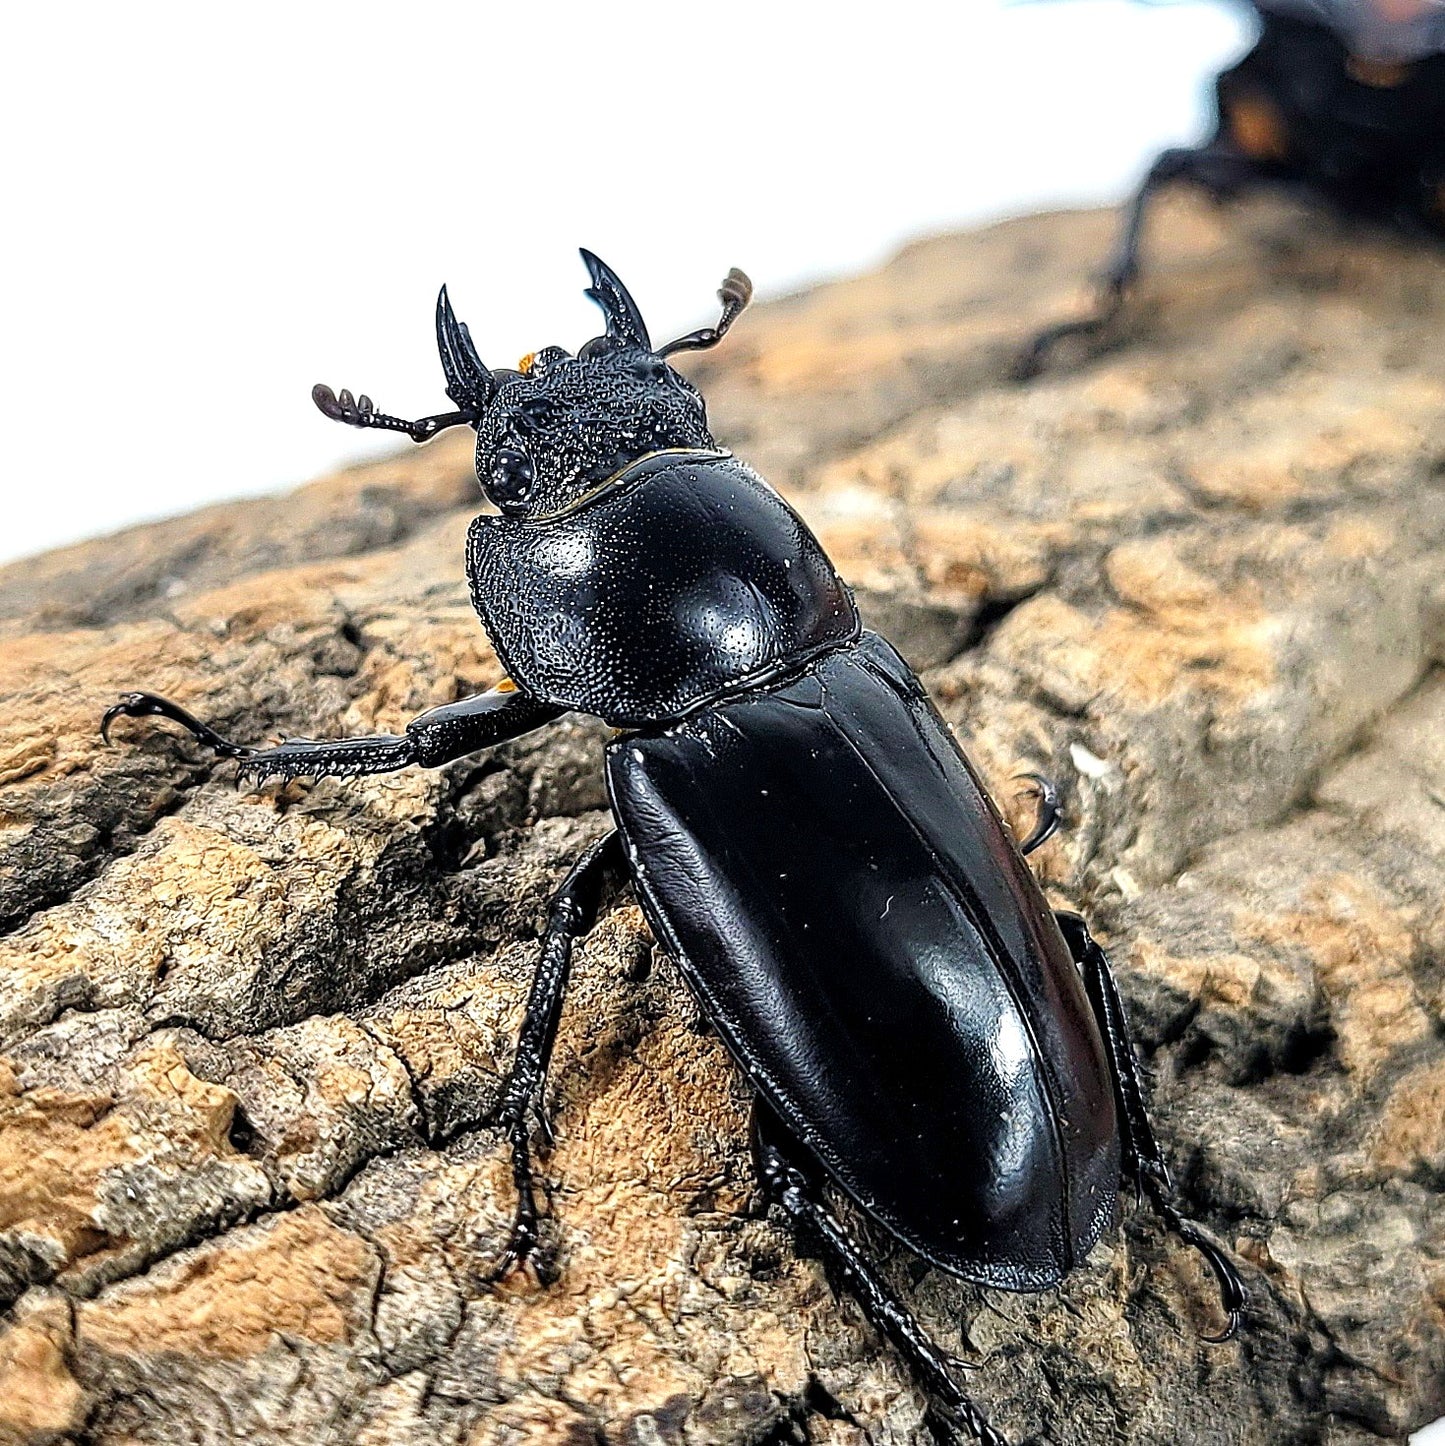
column 152, row 705
column 1049, row 816
column 525, row 1232
column 131, row 705
column 1232, row 1295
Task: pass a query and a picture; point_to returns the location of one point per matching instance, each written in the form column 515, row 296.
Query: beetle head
column 552, row 430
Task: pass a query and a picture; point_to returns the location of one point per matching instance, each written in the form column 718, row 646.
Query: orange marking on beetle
column 525, row 365
column 1258, row 129
column 1378, row 74
column 505, row 686
column 1399, row 12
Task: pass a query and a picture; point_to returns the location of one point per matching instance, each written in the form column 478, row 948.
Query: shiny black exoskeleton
column 1341, row 102
column 803, row 833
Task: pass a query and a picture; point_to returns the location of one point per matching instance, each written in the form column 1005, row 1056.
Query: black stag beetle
column 1341, row 102
column 805, row 836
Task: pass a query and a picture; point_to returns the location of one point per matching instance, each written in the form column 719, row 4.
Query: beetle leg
column 1211, row 166
column 431, row 739
column 798, row 1192
column 1215, row 169
column 571, row 914
column 152, row 705
column 1142, row 1157
column 1049, row 817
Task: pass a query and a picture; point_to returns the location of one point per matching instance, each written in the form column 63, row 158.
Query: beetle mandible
column 1340, row 102
column 803, row 833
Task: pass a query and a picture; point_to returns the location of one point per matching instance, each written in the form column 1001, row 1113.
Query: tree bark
column 249, row 1190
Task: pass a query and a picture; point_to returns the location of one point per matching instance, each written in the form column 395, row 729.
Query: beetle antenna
column 361, row 412
column 735, row 293
column 469, row 384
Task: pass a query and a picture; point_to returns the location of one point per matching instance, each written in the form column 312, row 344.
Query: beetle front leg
column 798, row 1192
column 572, row 913
column 431, row 739
column 1142, row 1157
column 1216, row 169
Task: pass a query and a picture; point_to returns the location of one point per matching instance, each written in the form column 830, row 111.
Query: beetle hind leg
column 1143, row 1160
column 795, row 1189
column 572, row 913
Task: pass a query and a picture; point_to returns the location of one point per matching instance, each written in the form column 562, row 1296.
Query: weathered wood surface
column 248, row 1191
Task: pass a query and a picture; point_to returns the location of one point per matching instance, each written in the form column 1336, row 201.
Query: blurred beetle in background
column 1341, row 102
column 804, row 835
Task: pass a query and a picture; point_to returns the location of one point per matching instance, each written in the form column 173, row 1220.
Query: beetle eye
column 511, row 478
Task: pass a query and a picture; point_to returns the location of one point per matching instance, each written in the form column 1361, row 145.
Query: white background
column 213, row 207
